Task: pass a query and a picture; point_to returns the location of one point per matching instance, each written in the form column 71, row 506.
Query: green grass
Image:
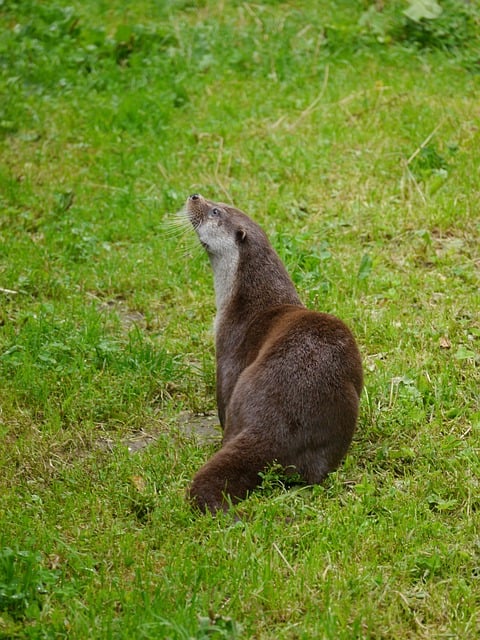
column 351, row 134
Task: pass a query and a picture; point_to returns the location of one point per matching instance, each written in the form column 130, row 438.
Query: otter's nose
column 194, row 196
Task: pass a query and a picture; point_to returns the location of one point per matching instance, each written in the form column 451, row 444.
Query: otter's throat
column 224, row 277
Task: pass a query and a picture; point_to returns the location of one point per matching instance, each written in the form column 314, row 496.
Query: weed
column 23, row 583
column 450, row 25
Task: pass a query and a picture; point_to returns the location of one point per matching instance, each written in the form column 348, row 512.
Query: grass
column 351, row 134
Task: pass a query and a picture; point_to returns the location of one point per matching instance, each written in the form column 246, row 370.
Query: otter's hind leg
column 233, row 471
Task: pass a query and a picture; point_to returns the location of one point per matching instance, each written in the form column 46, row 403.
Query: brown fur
column 288, row 379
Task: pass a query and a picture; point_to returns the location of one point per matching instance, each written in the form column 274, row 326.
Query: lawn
column 351, row 133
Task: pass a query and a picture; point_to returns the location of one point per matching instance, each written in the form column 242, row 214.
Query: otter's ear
column 241, row 235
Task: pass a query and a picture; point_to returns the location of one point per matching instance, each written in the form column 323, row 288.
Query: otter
column 288, row 379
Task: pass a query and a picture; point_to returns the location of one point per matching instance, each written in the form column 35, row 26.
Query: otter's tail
column 231, row 473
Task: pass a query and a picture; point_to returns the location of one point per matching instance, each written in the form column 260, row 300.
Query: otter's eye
column 214, row 212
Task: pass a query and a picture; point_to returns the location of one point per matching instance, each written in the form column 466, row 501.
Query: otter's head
column 220, row 228
column 235, row 245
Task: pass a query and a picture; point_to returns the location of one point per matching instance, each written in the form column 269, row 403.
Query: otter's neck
column 250, row 282
column 224, row 278
column 265, row 282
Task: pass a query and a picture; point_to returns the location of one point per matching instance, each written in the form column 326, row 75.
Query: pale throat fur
column 224, row 256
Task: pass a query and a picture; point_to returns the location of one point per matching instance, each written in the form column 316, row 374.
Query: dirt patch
column 203, row 429
column 128, row 317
